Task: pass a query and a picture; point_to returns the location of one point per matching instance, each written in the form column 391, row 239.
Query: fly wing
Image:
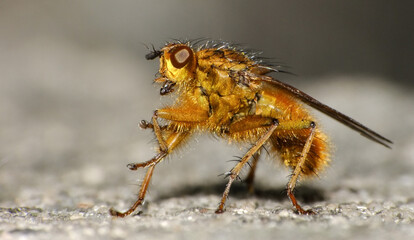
column 351, row 123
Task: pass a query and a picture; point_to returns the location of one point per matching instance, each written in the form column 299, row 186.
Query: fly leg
column 298, row 170
column 236, row 170
column 250, row 177
column 185, row 115
column 172, row 141
column 141, row 195
column 162, row 144
column 147, row 125
column 166, row 146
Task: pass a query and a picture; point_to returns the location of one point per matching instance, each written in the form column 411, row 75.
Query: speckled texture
column 190, row 217
column 68, row 128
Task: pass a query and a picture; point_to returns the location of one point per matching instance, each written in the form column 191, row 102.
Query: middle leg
column 250, row 177
column 236, row 170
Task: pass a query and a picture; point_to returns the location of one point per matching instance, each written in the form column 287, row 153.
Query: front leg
column 148, row 125
column 162, row 144
column 173, row 140
column 168, row 140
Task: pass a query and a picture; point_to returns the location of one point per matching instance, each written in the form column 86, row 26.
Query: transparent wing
column 351, row 123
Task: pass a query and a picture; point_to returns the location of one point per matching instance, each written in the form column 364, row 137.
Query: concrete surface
column 68, row 128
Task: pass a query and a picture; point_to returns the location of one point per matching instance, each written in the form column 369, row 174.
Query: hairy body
column 225, row 91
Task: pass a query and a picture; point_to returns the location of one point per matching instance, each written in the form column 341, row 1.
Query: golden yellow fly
column 226, row 91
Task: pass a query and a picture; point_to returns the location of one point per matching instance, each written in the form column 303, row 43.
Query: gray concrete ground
column 68, row 127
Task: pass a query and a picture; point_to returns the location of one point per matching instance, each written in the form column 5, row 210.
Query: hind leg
column 298, row 170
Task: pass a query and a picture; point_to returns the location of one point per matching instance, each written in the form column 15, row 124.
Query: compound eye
column 180, row 56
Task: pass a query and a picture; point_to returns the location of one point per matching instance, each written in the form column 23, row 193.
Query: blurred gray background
column 74, row 84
